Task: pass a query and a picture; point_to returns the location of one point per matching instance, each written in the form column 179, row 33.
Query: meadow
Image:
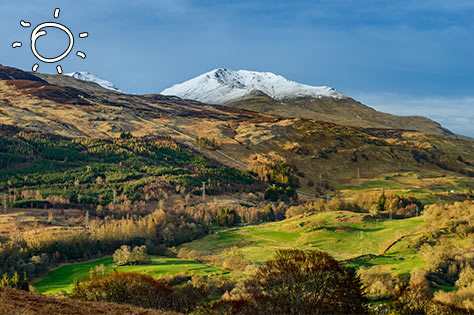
column 354, row 238
column 429, row 189
column 62, row 278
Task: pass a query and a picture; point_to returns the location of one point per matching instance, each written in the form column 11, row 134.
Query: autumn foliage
column 296, row 282
column 137, row 289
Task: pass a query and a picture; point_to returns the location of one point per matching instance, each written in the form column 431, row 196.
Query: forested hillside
column 40, row 170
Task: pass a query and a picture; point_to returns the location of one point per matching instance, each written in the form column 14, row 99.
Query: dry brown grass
column 31, row 220
column 319, row 149
column 348, row 112
column 16, row 302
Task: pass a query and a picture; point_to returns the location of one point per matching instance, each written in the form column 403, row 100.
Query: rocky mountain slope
column 316, row 150
column 269, row 93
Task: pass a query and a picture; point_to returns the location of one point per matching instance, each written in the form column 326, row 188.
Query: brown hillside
column 8, row 73
column 346, row 111
column 17, row 302
column 319, row 149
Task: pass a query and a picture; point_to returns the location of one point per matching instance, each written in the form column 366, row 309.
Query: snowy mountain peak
column 89, row 77
column 222, row 85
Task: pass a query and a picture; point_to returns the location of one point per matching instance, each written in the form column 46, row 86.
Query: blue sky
column 404, row 57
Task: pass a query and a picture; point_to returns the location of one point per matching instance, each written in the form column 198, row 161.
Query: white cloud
column 456, row 113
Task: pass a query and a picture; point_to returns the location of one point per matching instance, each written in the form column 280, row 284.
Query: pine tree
column 50, row 216
column 86, row 220
column 5, row 282
column 15, row 280
column 381, row 204
column 5, row 202
column 92, row 273
column 24, row 285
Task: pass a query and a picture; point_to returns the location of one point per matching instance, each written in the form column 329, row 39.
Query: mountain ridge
column 221, row 85
column 68, row 107
column 268, row 93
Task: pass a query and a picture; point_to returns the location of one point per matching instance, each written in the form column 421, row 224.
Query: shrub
column 226, row 217
column 207, row 143
column 234, row 259
column 137, row 289
column 308, row 207
column 125, row 135
column 444, row 262
column 184, row 253
column 450, row 216
column 416, row 299
column 214, row 286
column 377, row 281
column 30, row 203
column 229, row 306
column 279, row 193
column 463, row 297
column 466, row 278
column 297, row 282
column 408, row 301
column 419, row 283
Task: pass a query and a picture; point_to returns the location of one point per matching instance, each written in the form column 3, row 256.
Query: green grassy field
column 62, row 278
column 343, row 234
column 428, row 189
column 356, row 239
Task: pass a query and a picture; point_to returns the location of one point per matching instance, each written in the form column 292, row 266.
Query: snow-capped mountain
column 222, row 85
column 89, row 77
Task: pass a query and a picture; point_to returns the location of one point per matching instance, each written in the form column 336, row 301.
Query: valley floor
column 353, row 238
column 356, row 238
column 61, row 280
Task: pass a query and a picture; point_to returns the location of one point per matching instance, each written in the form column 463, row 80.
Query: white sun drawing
column 39, row 31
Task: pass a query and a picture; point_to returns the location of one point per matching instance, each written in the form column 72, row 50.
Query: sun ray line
column 81, row 54
column 35, row 67
column 25, row 24
column 59, row 69
column 83, row 35
column 56, row 13
column 17, row 44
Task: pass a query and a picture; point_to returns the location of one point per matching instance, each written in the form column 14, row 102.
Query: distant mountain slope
column 222, row 85
column 89, row 77
column 315, row 148
column 345, row 111
column 272, row 94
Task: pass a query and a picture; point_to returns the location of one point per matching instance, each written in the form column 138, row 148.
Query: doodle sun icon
column 39, row 31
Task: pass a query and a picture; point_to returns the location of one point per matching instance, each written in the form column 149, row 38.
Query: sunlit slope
column 62, row 278
column 345, row 235
column 316, row 149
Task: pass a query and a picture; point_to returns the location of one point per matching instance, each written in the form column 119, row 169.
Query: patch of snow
column 89, row 77
column 222, row 85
